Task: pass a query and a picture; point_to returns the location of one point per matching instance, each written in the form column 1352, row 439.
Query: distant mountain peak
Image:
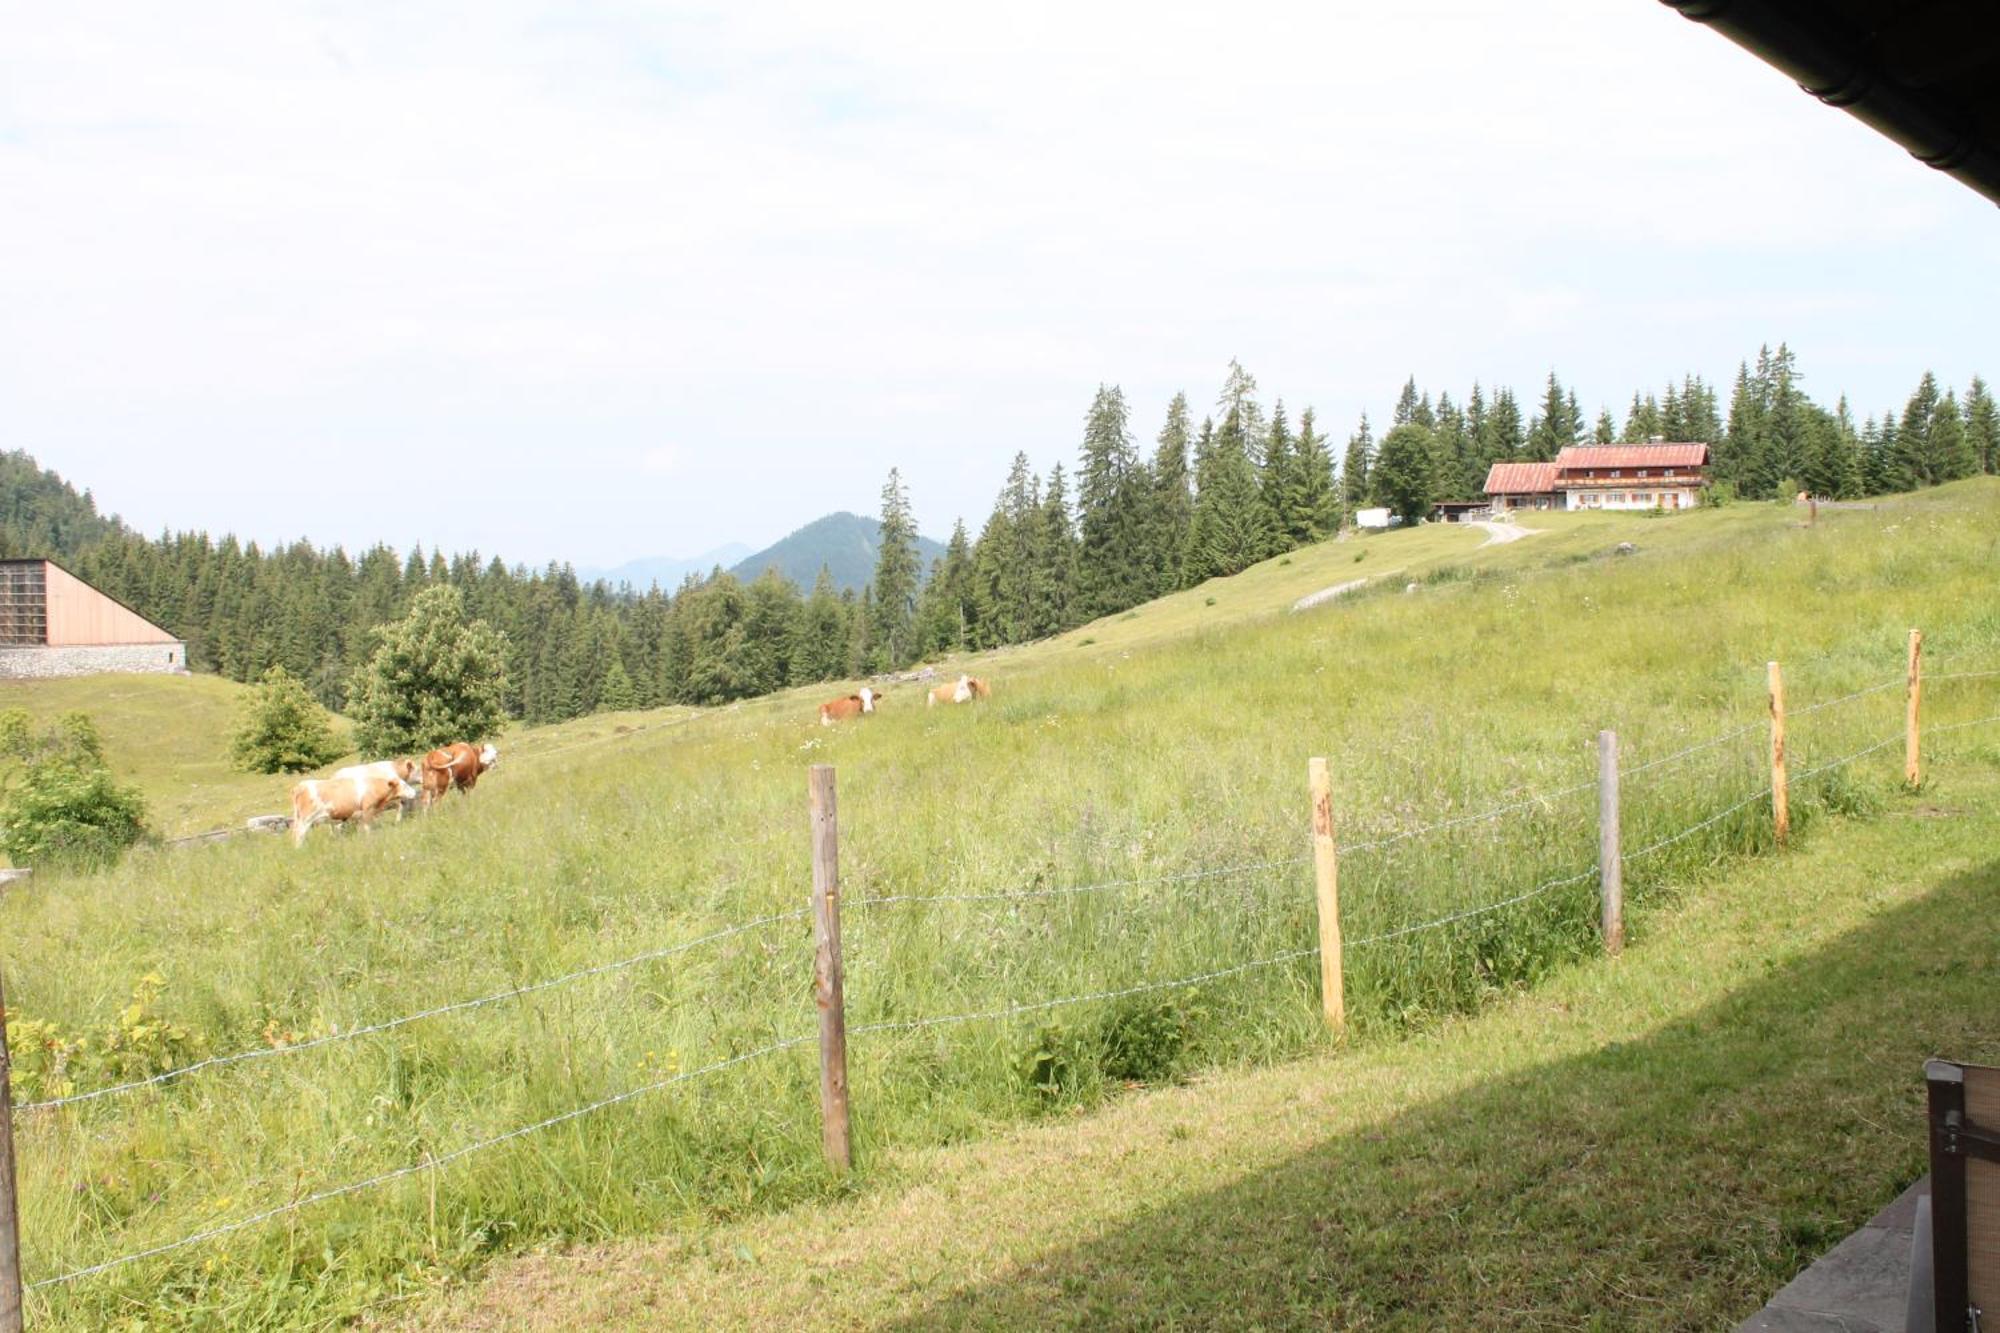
column 845, row 543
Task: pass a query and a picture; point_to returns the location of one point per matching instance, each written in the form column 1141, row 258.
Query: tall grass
column 1174, row 745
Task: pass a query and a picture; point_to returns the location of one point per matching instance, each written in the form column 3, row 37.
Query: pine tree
column 1915, row 452
column 1239, row 395
column 1230, row 530
column 1315, row 504
column 1404, row 476
column 1052, row 605
column 1607, row 429
column 1555, row 428
column 892, row 637
column 771, row 611
column 945, row 621
column 1172, row 508
column 1356, row 465
column 1279, row 482
column 820, row 635
column 618, row 694
column 1407, row 403
column 1642, row 420
column 1112, row 563
column 1734, row 458
column 1953, row 456
column 1508, row 440
column 1982, row 426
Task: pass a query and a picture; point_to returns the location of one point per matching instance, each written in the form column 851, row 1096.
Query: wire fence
column 1011, row 1010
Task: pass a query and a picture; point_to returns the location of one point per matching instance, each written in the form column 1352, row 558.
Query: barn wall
column 42, row 663
column 81, row 615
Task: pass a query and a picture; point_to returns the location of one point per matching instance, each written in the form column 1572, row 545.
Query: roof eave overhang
column 1837, row 68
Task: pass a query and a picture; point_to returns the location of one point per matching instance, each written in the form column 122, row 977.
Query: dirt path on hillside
column 1499, row 534
column 1312, row 599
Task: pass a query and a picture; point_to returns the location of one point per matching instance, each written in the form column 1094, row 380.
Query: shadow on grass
column 1673, row 1182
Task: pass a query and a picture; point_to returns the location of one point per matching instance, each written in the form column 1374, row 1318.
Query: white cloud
column 498, row 251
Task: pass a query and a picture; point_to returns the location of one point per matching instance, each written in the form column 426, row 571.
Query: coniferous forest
column 1215, row 490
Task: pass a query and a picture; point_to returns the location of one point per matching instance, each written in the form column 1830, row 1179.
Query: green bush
column 435, row 678
column 284, row 730
column 65, row 810
column 1146, row 1040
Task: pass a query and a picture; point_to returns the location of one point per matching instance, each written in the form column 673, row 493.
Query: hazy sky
column 596, row 280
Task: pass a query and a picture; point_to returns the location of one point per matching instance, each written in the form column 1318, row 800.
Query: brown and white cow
column 959, row 692
column 457, row 765
column 980, row 689
column 396, row 770
column 339, row 800
column 853, row 706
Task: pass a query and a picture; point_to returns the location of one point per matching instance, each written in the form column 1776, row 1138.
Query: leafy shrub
column 1718, row 494
column 1060, row 1063
column 62, row 812
column 48, row 1062
column 284, row 730
column 1146, row 1040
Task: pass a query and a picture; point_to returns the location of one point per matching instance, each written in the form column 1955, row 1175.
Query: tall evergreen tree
column 1278, row 484
column 1053, row 591
column 820, row 637
column 1113, row 571
column 1230, row 530
column 1315, row 504
column 892, row 637
column 1356, row 467
column 1982, row 426
column 1172, row 508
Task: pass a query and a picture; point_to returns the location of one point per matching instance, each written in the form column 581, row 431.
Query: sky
column 592, row 281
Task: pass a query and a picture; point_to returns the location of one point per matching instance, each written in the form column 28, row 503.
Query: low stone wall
column 44, row 663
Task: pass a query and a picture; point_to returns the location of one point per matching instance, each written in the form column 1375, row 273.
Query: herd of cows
column 358, row 794
column 362, row 791
column 865, row 700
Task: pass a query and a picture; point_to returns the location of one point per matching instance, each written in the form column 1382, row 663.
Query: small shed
column 52, row 623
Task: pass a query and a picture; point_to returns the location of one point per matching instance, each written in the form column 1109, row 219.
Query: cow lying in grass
column 853, row 706
column 963, row 691
column 341, row 800
column 455, row 766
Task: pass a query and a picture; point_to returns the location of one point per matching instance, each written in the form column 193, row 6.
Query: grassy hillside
column 1150, row 754
column 1644, row 1143
column 169, row 737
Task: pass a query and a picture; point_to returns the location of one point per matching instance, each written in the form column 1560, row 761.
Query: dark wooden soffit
column 1924, row 72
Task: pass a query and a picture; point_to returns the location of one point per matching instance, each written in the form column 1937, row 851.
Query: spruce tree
column 618, row 694
column 1607, row 429
column 1508, row 440
column 1278, row 483
column 892, row 636
column 1230, row 530
column 1052, row 592
column 945, row 621
column 1315, row 504
column 1952, row 453
column 1982, row 426
column 1915, row 452
column 1113, row 569
column 820, row 635
column 1172, row 508
column 1356, row 467
column 1239, row 395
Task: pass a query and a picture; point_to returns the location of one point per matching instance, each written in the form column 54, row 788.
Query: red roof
column 1632, row 455
column 1521, row 479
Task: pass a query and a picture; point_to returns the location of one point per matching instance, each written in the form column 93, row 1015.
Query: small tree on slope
column 284, row 730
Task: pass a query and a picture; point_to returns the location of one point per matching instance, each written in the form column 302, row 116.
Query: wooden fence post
column 1610, row 847
column 1326, row 876
column 10, row 1215
column 1913, row 772
column 1781, row 793
column 828, row 988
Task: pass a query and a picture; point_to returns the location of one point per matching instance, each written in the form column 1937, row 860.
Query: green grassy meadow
column 1169, row 742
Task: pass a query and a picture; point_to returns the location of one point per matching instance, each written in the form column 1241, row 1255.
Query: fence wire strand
column 1004, row 895
column 514, row 992
column 1861, row 693
column 1549, row 886
column 428, row 1164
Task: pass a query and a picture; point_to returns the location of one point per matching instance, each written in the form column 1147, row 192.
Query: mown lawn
column 1169, row 749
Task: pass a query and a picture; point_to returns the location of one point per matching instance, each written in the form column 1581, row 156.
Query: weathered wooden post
column 10, row 1213
column 1781, row 795
column 828, row 989
column 1326, row 876
column 1913, row 771
column 1610, row 847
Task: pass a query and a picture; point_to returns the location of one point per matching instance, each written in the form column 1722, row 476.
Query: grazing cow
column 338, row 800
column 456, row 765
column 980, row 689
column 956, row 693
column 406, row 771
column 854, row 705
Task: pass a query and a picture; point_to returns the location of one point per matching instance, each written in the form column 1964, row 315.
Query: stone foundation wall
column 43, row 663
